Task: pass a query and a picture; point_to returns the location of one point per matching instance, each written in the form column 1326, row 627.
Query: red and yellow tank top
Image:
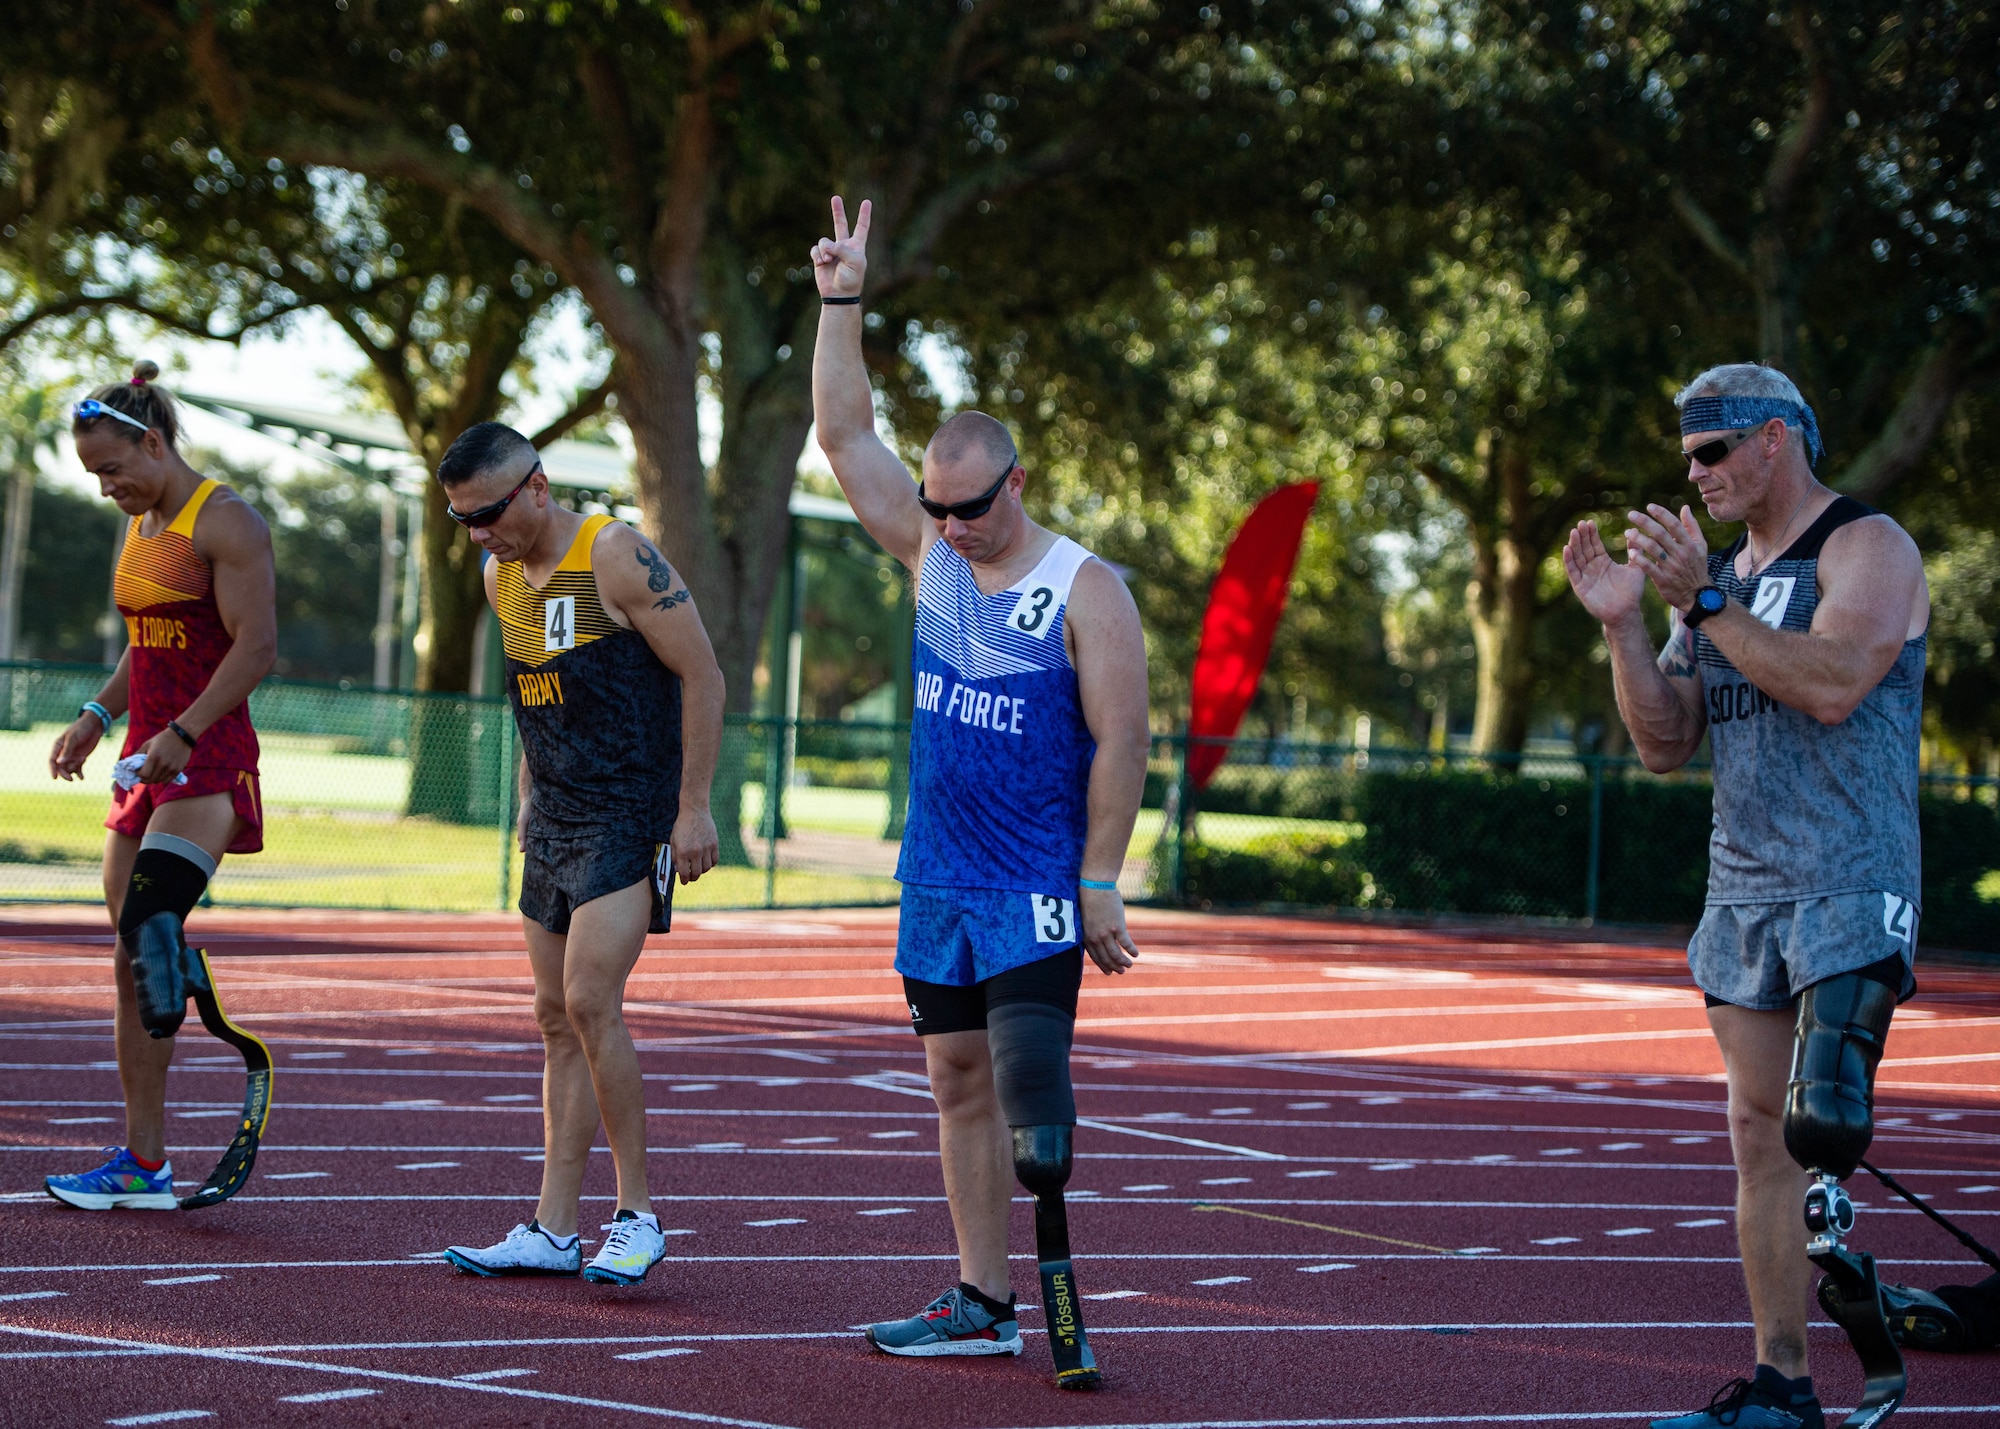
column 166, row 593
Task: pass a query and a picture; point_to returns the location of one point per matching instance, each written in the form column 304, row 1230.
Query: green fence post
column 509, row 786
column 1183, row 791
column 1596, row 837
column 774, row 765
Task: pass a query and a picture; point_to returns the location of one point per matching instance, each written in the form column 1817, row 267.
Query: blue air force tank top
column 999, row 751
column 1804, row 809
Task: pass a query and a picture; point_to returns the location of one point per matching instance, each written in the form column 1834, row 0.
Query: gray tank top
column 1804, row 809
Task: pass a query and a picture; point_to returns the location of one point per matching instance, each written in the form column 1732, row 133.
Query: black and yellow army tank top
column 599, row 715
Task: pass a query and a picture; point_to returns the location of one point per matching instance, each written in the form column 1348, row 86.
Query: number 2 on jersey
column 559, row 623
column 1055, row 919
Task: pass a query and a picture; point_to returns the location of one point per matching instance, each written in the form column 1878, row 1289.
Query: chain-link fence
column 394, row 800
column 1550, row 835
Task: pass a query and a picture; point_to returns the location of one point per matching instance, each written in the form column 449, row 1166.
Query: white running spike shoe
column 633, row 1246
column 527, row 1250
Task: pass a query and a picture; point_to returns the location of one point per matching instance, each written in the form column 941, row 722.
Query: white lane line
column 270, row 1361
column 1560, row 1240
column 1323, row 1269
column 486, row 1374
column 1631, row 1230
column 1183, row 1140
column 888, row 1211
column 295, row 1175
column 35, row 1295
column 327, row 1396
column 1595, row 1416
column 184, row 1280
column 425, row 1165
column 164, row 1416
column 1113, row 1295
column 1702, row 1224
column 1223, row 1280
column 79, row 1120
column 658, row 1354
column 778, row 1221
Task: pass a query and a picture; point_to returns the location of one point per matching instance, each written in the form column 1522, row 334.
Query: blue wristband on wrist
column 103, row 714
column 1098, row 884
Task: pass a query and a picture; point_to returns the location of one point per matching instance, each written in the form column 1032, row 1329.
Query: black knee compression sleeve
column 168, row 877
column 1030, row 1046
column 1830, row 1103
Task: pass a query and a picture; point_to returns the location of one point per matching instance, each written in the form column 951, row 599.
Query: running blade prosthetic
column 234, row 1168
column 1076, row 1366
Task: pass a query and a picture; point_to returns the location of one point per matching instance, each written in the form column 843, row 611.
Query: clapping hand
column 840, row 263
column 1608, row 590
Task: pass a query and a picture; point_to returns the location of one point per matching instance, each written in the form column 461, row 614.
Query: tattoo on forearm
column 660, row 577
column 1677, row 660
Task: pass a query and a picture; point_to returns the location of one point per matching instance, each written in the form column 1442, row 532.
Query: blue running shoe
column 119, row 1184
column 952, row 1324
column 1770, row 1401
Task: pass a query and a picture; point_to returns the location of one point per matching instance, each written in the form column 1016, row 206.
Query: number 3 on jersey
column 1055, row 919
column 559, row 623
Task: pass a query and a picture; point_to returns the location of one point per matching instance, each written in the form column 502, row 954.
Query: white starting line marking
column 888, row 1211
column 486, row 1374
column 1223, row 1280
column 184, row 1280
column 658, row 1354
column 35, row 1295
column 1596, row 1416
column 1114, row 1295
column 327, row 1396
column 165, row 1416
column 295, row 1175
column 426, row 1165
column 779, row 1221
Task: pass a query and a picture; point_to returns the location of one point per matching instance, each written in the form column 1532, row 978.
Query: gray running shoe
column 952, row 1324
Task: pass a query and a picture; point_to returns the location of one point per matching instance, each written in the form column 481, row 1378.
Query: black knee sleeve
column 1030, row 1046
column 1830, row 1103
column 167, row 881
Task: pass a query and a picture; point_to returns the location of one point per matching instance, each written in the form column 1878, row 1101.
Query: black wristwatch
column 1707, row 601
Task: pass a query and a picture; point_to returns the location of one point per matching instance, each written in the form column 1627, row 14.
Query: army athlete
column 619, row 703
column 1799, row 653
column 1027, row 757
column 196, row 586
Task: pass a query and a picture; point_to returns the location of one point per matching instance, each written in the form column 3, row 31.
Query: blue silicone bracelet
column 103, row 714
column 1101, row 886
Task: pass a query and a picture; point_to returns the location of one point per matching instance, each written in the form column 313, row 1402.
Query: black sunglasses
column 968, row 510
column 487, row 515
column 1711, row 454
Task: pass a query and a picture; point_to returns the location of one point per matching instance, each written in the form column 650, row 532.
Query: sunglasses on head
column 90, row 409
column 968, row 510
column 1711, row 454
column 487, row 515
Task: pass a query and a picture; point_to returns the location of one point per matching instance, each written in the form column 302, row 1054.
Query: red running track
column 1330, row 1174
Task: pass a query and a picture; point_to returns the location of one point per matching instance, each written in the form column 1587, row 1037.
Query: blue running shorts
column 960, row 936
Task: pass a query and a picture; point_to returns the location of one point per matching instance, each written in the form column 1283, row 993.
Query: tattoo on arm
column 1677, row 660
column 660, row 577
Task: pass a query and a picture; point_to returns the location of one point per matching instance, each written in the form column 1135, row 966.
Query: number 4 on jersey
column 1055, row 919
column 559, row 623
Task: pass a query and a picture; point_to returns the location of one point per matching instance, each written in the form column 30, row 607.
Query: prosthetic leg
column 1829, row 1121
column 1030, row 1043
column 1042, row 1165
column 167, row 878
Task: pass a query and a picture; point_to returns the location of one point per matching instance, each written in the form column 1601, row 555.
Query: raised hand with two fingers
column 840, row 263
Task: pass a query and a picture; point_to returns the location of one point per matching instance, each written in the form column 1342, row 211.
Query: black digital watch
column 1707, row 601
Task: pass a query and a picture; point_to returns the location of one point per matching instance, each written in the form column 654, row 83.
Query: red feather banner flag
column 1243, row 611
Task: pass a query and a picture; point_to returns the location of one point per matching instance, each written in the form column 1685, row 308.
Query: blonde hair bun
column 144, row 371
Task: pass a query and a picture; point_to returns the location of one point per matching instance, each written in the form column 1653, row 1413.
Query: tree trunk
column 1501, row 604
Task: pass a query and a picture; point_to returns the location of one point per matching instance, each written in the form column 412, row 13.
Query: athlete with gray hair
column 1799, row 652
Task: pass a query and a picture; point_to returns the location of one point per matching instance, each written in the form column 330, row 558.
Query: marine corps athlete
column 1027, row 756
column 196, row 586
column 1799, row 652
column 619, row 704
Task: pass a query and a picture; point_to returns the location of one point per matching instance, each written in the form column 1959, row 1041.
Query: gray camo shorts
column 1763, row 955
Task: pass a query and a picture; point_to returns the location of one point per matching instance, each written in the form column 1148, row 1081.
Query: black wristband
column 181, row 734
column 840, row 302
